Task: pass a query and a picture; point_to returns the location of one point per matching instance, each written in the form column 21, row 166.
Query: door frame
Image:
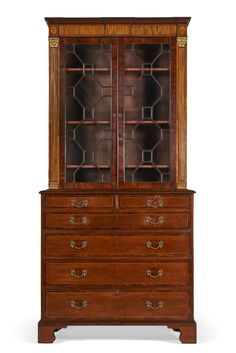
column 122, row 184
column 88, row 185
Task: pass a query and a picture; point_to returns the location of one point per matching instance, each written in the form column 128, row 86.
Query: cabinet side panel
column 181, row 113
column 53, row 113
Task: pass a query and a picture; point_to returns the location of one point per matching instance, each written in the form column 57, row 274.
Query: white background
column 211, row 172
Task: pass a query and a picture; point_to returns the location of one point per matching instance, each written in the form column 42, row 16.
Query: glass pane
column 88, row 109
column 147, row 112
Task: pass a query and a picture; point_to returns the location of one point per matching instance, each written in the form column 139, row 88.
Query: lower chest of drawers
column 115, row 261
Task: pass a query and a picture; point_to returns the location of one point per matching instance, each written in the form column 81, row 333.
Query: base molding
column 47, row 329
column 188, row 333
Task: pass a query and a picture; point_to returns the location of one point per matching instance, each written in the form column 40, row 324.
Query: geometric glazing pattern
column 88, row 82
column 88, row 113
column 147, row 81
column 147, row 153
column 147, row 112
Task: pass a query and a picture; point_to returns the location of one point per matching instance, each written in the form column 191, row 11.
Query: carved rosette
column 53, row 30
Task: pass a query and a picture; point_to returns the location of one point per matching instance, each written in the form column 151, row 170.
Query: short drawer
column 80, row 202
column 155, row 202
column 167, row 220
column 81, row 246
column 118, row 305
column 150, row 273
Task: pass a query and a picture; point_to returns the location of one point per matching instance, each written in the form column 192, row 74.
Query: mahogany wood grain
column 115, row 245
column 115, row 305
column 78, row 201
column 171, row 202
column 181, row 135
column 117, row 26
column 90, row 20
column 63, row 220
column 46, row 331
column 188, row 333
column 54, row 154
column 64, row 192
column 117, row 273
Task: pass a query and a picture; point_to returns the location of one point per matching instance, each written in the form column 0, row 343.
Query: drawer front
column 155, row 202
column 167, row 220
column 81, row 246
column 114, row 305
column 150, row 273
column 80, row 202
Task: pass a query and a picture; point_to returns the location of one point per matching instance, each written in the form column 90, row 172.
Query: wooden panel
column 112, row 305
column 85, row 220
column 153, row 30
column 122, row 20
column 116, row 273
column 81, row 30
column 53, row 113
column 117, row 29
column 81, row 246
column 157, row 202
column 181, row 113
column 80, row 202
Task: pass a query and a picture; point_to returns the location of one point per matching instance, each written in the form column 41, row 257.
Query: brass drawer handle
column 150, row 306
column 73, row 245
column 154, row 203
column 73, row 273
column 159, row 273
column 159, row 220
column 160, row 245
column 79, row 203
column 74, row 305
column 83, row 220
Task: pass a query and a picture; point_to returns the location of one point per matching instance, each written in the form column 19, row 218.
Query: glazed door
column 88, row 112
column 118, row 92
column 147, row 113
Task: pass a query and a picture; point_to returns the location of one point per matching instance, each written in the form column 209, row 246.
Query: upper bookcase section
column 116, row 26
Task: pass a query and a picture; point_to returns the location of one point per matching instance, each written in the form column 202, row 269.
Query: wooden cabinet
column 117, row 219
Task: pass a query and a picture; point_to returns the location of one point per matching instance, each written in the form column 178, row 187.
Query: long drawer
column 80, row 202
column 155, row 202
column 118, row 305
column 149, row 273
column 82, row 246
column 163, row 220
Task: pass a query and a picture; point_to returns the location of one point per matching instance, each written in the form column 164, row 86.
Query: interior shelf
column 88, row 166
column 161, row 69
column 130, row 166
column 160, row 166
column 147, row 69
column 88, row 122
column 87, row 69
column 131, row 122
column 128, row 122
